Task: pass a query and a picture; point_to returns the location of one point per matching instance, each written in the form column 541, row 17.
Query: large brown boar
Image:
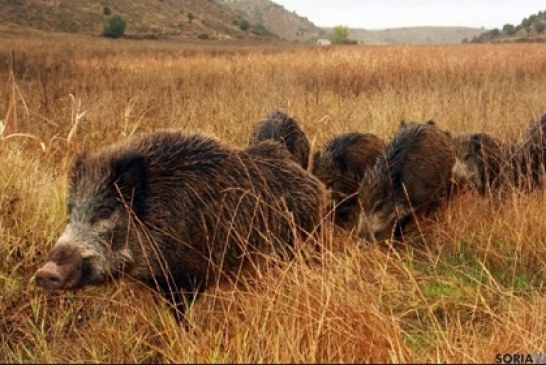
column 412, row 177
column 483, row 156
column 179, row 213
column 526, row 159
column 340, row 165
column 280, row 127
column 515, row 169
column 533, row 148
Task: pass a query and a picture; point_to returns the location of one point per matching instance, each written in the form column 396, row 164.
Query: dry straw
column 467, row 286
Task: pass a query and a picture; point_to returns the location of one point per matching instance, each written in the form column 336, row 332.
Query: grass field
column 467, row 287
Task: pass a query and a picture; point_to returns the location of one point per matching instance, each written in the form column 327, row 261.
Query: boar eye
column 105, row 213
column 379, row 206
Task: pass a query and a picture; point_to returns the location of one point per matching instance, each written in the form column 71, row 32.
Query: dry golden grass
column 469, row 287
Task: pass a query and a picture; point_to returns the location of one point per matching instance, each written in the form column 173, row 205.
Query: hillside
column 145, row 18
column 413, row 35
column 211, row 19
column 531, row 29
column 276, row 19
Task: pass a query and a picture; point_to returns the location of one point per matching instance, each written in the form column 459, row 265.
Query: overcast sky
column 378, row 14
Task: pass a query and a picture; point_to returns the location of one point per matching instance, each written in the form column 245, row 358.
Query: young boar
column 179, row 213
column 483, row 156
column 526, row 159
column 413, row 176
column 534, row 153
column 340, row 165
column 280, row 127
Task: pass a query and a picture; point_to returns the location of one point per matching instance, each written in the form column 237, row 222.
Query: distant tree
column 494, row 32
column 259, row 29
column 340, row 34
column 526, row 22
column 114, row 27
column 106, row 10
column 244, row 25
column 509, row 29
column 540, row 27
column 190, row 17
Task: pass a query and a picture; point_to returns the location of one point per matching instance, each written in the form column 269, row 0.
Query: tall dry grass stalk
column 468, row 287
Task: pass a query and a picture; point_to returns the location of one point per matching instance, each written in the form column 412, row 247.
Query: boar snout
column 364, row 231
column 50, row 276
column 63, row 269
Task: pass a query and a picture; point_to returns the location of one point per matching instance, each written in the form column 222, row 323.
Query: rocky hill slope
column 276, row 19
column 145, row 18
column 531, row 29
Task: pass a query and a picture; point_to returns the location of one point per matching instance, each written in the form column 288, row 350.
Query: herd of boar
column 181, row 212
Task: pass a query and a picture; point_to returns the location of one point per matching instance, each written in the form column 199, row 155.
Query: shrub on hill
column 114, row 27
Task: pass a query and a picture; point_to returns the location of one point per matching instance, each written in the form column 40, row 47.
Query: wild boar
column 179, row 213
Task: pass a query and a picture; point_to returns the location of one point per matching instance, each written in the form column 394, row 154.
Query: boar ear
column 431, row 122
column 129, row 174
column 341, row 161
column 395, row 180
column 77, row 165
column 79, row 160
column 402, row 124
column 476, row 144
